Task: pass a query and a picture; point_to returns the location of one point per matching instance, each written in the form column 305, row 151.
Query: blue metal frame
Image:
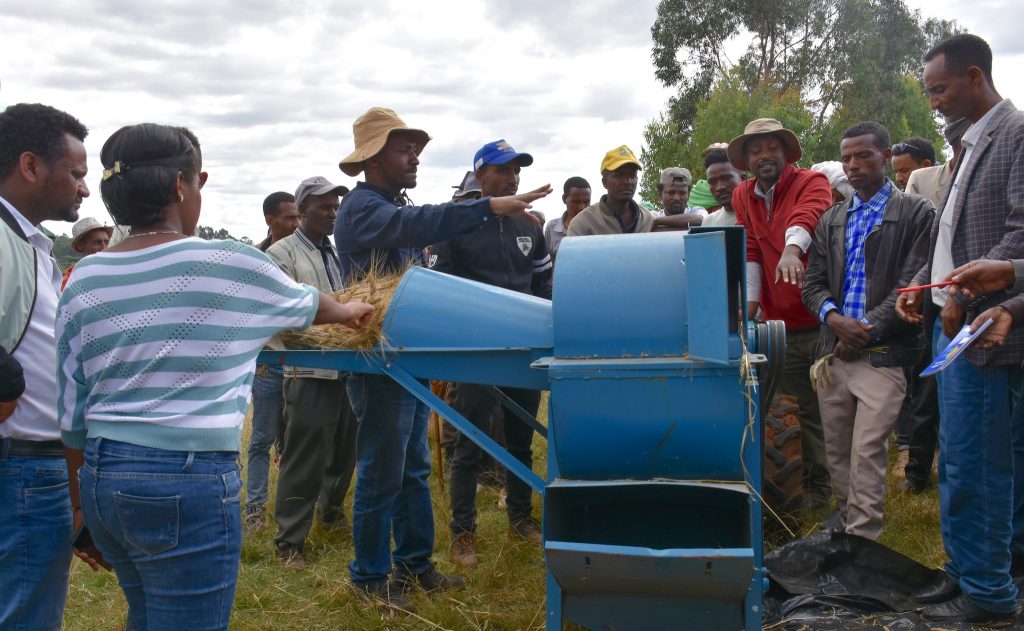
column 516, row 409
column 461, row 423
column 386, row 364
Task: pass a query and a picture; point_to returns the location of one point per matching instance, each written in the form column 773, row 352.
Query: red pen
column 920, row 287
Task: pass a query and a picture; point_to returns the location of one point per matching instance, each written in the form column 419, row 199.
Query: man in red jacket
column 779, row 208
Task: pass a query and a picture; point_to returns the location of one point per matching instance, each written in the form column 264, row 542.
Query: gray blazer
column 988, row 220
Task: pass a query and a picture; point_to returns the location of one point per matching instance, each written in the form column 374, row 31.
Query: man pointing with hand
column 779, row 208
column 377, row 229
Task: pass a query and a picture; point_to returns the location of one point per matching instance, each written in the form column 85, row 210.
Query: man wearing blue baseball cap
column 509, row 253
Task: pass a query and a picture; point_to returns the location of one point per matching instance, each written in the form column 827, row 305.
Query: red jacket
column 800, row 198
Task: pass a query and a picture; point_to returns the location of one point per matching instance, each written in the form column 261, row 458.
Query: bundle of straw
column 821, row 376
column 376, row 288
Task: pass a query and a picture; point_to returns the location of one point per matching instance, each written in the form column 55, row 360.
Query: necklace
column 147, row 234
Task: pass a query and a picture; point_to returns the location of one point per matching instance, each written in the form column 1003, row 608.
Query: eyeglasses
column 906, row 147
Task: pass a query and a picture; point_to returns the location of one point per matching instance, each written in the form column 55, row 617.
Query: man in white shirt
column 723, row 178
column 42, row 177
column 981, row 458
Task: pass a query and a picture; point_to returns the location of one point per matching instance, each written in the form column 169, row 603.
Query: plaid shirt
column 861, row 219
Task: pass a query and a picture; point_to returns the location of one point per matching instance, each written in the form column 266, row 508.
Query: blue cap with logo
column 499, row 152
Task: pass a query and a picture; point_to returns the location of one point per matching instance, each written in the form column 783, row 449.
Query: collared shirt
column 765, row 195
column 328, row 255
column 35, row 416
column 942, row 260
column 861, row 218
column 628, row 228
column 554, row 232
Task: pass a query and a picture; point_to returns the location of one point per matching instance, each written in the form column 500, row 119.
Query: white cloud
column 272, row 86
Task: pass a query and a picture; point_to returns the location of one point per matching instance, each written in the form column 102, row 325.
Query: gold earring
column 181, row 197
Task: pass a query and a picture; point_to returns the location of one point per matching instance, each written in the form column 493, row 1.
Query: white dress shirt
column 35, row 416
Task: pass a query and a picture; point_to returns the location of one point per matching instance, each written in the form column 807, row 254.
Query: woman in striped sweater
column 157, row 343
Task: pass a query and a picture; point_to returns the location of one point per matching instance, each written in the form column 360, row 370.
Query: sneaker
column 526, row 529
column 253, row 519
column 429, row 581
column 291, row 556
column 385, row 594
column 464, row 550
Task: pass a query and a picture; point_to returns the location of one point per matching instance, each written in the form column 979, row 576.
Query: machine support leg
column 516, row 409
column 554, row 604
column 474, row 433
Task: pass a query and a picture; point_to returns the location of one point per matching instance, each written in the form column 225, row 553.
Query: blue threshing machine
column 652, row 507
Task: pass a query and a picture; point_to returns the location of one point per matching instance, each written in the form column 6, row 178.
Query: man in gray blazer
column 981, row 470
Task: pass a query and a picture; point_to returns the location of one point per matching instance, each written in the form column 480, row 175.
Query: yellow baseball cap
column 618, row 157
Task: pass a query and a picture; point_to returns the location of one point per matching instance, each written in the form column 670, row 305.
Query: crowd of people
column 125, row 382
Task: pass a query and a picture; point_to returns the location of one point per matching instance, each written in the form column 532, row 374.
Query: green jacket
column 17, row 297
column 600, row 219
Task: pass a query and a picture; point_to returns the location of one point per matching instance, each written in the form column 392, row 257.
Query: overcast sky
column 272, row 87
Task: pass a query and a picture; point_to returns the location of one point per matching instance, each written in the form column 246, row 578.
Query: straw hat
column 84, row 227
column 371, row 131
column 763, row 127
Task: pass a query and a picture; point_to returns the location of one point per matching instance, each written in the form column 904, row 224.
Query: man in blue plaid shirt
column 864, row 248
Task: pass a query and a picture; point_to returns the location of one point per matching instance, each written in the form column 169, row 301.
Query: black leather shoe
column 938, row 591
column 1017, row 566
column 963, row 609
column 915, row 486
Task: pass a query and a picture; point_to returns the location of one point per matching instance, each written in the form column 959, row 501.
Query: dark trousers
column 476, row 403
column 801, row 351
column 319, row 456
column 922, row 426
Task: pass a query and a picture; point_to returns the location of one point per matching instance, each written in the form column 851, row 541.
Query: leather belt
column 32, row 448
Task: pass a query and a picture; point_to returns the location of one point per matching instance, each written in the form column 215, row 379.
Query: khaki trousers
column 858, row 412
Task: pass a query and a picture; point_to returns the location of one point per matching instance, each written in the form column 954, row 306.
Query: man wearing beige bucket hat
column 88, row 236
column 378, row 229
column 779, row 208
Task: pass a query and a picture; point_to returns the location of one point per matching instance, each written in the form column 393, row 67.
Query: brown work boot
column 526, row 529
column 464, row 550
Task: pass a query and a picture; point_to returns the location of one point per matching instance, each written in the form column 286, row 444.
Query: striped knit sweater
column 157, row 347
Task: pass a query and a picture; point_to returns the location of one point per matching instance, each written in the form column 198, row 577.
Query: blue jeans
column 267, row 405
column 170, row 523
column 981, row 470
column 392, row 489
column 35, row 542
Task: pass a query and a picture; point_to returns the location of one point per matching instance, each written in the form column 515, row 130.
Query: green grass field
column 506, row 590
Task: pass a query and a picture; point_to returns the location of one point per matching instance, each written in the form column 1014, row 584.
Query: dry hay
column 376, row 288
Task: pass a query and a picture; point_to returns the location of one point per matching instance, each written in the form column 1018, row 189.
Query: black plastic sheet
column 832, row 581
